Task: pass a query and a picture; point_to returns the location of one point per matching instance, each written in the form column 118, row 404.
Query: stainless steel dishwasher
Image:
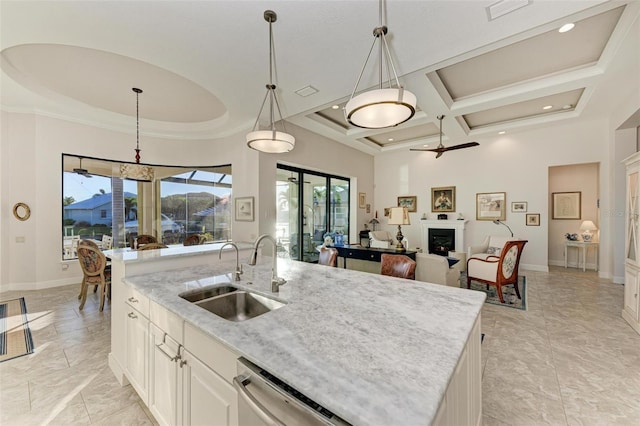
column 263, row 399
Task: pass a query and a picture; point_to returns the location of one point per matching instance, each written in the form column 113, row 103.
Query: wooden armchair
column 498, row 270
column 397, row 265
column 193, row 240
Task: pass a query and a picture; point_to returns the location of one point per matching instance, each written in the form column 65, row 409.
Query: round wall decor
column 21, row 211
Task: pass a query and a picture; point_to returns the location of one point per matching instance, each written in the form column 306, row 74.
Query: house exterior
column 94, row 210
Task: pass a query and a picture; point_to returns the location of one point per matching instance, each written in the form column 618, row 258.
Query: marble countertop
column 375, row 350
column 128, row 255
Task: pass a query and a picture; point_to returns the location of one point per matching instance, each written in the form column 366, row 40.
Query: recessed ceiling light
column 501, row 132
column 566, row 27
column 567, row 106
column 547, row 107
column 390, row 139
column 335, row 106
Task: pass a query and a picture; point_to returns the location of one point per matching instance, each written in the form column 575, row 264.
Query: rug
column 508, row 293
column 15, row 335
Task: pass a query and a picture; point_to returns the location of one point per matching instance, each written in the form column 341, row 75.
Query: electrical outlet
column 20, row 239
column 65, row 266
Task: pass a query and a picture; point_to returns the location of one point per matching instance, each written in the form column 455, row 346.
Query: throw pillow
column 494, row 251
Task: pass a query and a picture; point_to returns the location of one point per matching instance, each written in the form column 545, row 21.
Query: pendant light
column 137, row 171
column 385, row 106
column 270, row 141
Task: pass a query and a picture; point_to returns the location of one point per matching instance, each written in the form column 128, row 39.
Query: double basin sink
column 231, row 303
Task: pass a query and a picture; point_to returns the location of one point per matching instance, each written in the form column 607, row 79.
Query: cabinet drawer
column 211, row 352
column 137, row 301
column 167, row 321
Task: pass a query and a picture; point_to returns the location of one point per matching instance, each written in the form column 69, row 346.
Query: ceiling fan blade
column 462, row 145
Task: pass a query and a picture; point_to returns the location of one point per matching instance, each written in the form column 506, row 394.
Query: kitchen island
column 371, row 349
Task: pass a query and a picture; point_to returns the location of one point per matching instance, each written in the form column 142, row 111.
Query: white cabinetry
column 207, row 397
column 137, row 342
column 631, row 309
column 462, row 404
column 165, row 380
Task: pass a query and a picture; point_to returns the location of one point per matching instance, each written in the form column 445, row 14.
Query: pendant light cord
column 138, row 91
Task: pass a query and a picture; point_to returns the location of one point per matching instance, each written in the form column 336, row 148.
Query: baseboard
column 40, row 285
column 530, row 267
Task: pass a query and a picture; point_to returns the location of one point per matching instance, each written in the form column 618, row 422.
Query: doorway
column 310, row 206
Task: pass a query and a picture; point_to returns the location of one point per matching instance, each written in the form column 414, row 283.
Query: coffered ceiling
column 203, row 64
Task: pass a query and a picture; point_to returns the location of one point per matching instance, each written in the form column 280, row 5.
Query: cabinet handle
column 174, row 358
column 133, row 300
column 132, row 315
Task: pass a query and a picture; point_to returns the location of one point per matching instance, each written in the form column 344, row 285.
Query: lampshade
column 588, row 225
column 270, row 141
column 385, row 106
column 377, row 109
column 399, row 216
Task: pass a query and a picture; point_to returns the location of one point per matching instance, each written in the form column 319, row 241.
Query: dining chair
column 107, row 242
column 142, row 239
column 328, row 256
column 95, row 272
column 397, row 265
column 152, row 246
column 192, row 240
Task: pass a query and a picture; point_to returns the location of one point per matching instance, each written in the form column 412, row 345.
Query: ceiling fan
column 81, row 171
column 440, row 149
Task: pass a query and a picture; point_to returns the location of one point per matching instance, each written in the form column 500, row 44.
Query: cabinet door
column 207, row 397
column 137, row 350
column 632, row 217
column 631, row 298
column 164, row 377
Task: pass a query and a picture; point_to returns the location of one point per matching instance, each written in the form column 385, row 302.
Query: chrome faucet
column 238, row 265
column 276, row 281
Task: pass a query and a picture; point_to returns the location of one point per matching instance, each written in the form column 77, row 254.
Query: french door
column 310, row 206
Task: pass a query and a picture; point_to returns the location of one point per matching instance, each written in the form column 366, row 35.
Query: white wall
column 517, row 164
column 30, row 172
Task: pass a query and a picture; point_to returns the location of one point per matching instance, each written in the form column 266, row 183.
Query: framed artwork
column 566, row 205
column 244, row 209
column 410, row 203
column 362, row 199
column 519, row 207
column 491, row 206
column 387, row 211
column 368, row 208
column 443, row 199
column 533, row 219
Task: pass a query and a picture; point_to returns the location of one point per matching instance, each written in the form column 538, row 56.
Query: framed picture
column 410, row 203
column 362, row 199
column 244, row 209
column 368, row 208
column 491, row 206
column 533, row 219
column 566, row 205
column 387, row 211
column 443, row 199
column 519, row 207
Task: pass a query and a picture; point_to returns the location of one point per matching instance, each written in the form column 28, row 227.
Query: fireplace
column 441, row 241
column 453, row 239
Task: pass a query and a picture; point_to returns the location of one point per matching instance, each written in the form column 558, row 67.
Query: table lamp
column 399, row 216
column 587, row 226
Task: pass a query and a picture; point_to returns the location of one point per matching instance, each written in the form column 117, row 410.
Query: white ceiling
column 203, row 65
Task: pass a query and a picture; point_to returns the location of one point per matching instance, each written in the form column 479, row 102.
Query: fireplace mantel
column 457, row 225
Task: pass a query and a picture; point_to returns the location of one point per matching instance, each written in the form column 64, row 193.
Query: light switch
column 20, row 239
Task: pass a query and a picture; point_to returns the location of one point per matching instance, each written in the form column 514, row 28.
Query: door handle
column 240, row 383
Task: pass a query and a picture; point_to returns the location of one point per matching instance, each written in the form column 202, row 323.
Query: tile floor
column 570, row 359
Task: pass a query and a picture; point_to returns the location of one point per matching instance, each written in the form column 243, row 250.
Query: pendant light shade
column 137, row 171
column 386, row 106
column 270, row 141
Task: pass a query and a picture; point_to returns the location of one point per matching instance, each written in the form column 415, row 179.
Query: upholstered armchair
column 328, row 256
column 94, row 268
column 498, row 271
column 435, row 269
column 491, row 246
column 397, row 265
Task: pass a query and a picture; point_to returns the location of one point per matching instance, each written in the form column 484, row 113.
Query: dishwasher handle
column 240, row 383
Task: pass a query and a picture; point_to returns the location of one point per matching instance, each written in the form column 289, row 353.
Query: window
column 181, row 201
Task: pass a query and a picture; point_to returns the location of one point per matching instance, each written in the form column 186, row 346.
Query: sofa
column 491, row 246
column 384, row 240
column 433, row 268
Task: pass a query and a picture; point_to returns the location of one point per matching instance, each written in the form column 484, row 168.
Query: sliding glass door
column 310, row 206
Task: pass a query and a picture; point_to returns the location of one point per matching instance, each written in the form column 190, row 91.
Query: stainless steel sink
column 206, row 293
column 231, row 303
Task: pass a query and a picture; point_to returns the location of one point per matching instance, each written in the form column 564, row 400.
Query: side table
column 583, row 247
column 462, row 257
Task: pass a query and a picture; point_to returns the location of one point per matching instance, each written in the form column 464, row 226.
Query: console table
column 368, row 253
column 583, row 247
